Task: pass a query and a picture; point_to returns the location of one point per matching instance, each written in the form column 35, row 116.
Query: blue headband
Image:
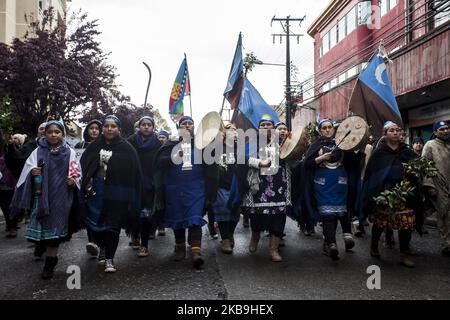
column 184, row 118
column 439, row 124
column 148, row 118
column 163, row 133
column 58, row 123
column 112, row 117
column 266, row 117
column 281, row 123
column 387, row 124
column 323, row 121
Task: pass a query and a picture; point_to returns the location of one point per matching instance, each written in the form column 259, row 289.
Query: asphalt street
column 304, row 274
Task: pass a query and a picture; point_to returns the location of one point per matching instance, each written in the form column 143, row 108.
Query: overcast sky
column 159, row 32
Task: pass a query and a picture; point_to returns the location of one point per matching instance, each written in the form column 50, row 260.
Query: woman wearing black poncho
column 111, row 188
column 384, row 170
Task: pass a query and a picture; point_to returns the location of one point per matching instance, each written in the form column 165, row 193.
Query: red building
column 415, row 33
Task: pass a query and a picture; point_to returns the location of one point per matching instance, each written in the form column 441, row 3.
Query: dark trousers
column 227, row 229
column 5, row 201
column 211, row 229
column 404, row 237
column 146, row 228
column 329, row 224
column 194, row 236
column 108, row 240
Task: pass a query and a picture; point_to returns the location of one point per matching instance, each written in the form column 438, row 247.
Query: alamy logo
column 374, row 280
column 74, row 280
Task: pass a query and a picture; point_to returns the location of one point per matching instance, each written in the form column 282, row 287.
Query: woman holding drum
column 331, row 177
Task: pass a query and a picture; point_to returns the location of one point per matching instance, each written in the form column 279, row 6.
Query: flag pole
column 190, row 91
column 356, row 82
column 231, row 69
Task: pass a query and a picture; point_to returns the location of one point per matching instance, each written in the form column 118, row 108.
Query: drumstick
column 346, row 135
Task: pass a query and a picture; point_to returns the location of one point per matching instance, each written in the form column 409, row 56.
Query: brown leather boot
column 180, row 252
column 197, row 260
column 273, row 247
column 406, row 260
column 254, row 242
column 226, row 246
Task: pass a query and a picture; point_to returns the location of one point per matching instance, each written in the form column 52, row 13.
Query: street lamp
column 269, row 64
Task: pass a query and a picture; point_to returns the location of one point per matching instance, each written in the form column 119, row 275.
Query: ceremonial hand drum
column 352, row 134
column 295, row 145
column 210, row 128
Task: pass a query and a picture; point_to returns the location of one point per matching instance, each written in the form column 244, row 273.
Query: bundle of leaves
column 249, row 62
column 312, row 131
column 421, row 168
column 394, row 200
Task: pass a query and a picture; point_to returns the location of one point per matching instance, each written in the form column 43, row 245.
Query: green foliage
column 249, row 62
column 421, row 168
column 394, row 199
column 312, row 131
column 8, row 119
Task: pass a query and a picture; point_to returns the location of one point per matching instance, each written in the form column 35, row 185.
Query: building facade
column 14, row 15
column 416, row 35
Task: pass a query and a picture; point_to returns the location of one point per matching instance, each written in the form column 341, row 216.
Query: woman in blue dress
column 331, row 188
column 185, row 194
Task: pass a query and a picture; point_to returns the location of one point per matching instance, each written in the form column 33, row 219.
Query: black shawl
column 352, row 163
column 123, row 180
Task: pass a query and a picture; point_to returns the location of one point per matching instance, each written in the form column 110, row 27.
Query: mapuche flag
column 243, row 97
column 181, row 88
column 373, row 97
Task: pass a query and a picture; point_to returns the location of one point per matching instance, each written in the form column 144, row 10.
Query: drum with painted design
column 295, row 145
column 352, row 134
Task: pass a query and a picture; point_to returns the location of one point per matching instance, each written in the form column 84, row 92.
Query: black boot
column 374, row 248
column 39, row 250
column 50, row 263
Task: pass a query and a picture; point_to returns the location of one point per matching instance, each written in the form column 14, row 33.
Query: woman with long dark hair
column 110, row 189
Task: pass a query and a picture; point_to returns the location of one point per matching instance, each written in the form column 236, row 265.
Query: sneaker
column 109, row 266
column 92, row 249
column 214, row 236
column 143, row 252
column 101, row 256
column 349, row 242
column 406, row 261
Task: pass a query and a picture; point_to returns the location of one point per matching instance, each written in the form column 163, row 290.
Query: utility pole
column 287, row 34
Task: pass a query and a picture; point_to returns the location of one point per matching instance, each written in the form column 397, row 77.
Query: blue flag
column 373, row 97
column 243, row 97
column 253, row 106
